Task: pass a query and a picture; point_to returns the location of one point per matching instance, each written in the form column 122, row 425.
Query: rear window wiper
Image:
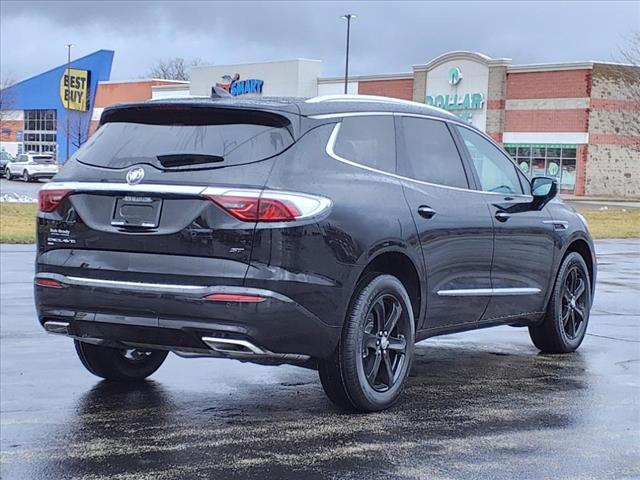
column 187, row 159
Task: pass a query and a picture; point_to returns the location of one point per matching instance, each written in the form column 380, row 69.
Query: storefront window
column 40, row 130
column 552, row 160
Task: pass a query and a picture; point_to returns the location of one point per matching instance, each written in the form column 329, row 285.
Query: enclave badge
column 135, row 175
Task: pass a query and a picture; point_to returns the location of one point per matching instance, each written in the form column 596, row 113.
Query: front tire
column 120, row 365
column 565, row 321
column 7, row 174
column 370, row 366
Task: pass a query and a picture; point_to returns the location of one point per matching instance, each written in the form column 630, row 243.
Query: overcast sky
column 386, row 37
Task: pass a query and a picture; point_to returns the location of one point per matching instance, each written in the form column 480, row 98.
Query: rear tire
column 26, row 177
column 370, row 366
column 119, row 364
column 567, row 316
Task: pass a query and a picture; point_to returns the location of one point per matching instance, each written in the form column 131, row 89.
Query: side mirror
column 543, row 190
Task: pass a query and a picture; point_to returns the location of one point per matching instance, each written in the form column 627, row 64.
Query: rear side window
column 168, row 141
column 429, row 153
column 369, row 141
column 496, row 171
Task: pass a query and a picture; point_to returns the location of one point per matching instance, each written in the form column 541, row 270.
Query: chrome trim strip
column 125, row 187
column 564, row 223
column 487, row 292
column 324, row 116
column 199, row 290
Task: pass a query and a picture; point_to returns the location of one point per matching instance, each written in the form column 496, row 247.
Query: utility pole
column 69, row 45
column 348, row 18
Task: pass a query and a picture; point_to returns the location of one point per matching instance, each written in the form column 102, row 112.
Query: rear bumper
column 179, row 318
column 42, row 174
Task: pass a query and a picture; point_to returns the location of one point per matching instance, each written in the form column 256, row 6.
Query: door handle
column 502, row 216
column 425, row 211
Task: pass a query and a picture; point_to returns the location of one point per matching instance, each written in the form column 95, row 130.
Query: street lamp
column 348, row 18
column 69, row 45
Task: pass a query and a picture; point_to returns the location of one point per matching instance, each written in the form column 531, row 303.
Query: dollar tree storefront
column 573, row 120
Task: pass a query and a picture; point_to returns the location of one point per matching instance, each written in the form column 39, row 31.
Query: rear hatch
column 161, row 182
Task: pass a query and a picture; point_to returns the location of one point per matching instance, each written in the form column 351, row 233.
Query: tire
column 114, row 364
column 348, row 377
column 26, row 177
column 567, row 316
column 7, row 174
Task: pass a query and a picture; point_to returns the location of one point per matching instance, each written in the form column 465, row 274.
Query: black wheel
column 567, row 316
column 124, row 365
column 368, row 370
column 7, row 174
column 25, row 176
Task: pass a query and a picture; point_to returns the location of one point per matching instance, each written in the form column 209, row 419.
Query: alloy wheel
column 574, row 308
column 384, row 343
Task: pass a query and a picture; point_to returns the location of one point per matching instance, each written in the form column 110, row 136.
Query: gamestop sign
column 74, row 89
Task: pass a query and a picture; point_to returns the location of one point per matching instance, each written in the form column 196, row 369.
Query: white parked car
column 32, row 166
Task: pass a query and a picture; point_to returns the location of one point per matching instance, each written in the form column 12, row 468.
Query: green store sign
column 461, row 105
column 468, row 101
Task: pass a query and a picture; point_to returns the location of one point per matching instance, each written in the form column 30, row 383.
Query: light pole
column 348, row 18
column 69, row 45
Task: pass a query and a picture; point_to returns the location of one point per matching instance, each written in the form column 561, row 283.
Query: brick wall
column 546, row 120
column 553, row 84
column 613, row 163
column 395, row 88
column 8, row 129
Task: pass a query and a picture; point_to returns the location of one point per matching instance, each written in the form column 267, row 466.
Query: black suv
column 331, row 233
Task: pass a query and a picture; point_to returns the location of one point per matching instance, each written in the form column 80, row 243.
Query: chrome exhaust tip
column 61, row 328
column 234, row 347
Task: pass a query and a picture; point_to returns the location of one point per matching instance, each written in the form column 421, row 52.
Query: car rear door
column 452, row 222
column 522, row 263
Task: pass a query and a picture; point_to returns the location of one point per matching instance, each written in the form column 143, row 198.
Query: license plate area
column 132, row 211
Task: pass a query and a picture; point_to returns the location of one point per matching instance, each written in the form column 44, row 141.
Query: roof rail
column 361, row 98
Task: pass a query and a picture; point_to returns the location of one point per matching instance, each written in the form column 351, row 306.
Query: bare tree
column 176, row 68
column 7, row 98
column 78, row 130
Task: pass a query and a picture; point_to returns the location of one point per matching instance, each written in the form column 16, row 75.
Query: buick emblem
column 135, row 175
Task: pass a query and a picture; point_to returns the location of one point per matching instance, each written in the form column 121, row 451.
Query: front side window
column 496, row 172
column 369, row 141
column 429, row 153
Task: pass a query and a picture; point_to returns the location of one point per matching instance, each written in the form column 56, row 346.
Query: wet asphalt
column 483, row 404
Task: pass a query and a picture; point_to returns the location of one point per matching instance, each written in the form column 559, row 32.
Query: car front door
column 452, row 222
column 521, row 271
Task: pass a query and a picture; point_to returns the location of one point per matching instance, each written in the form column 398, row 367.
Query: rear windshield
column 43, row 159
column 119, row 144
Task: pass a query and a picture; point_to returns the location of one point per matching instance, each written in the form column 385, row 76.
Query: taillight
column 233, row 297
column 267, row 206
column 49, row 200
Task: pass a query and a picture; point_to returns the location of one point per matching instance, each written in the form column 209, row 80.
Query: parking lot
column 480, row 404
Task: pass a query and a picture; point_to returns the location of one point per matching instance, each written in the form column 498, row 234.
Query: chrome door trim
column 486, row 292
